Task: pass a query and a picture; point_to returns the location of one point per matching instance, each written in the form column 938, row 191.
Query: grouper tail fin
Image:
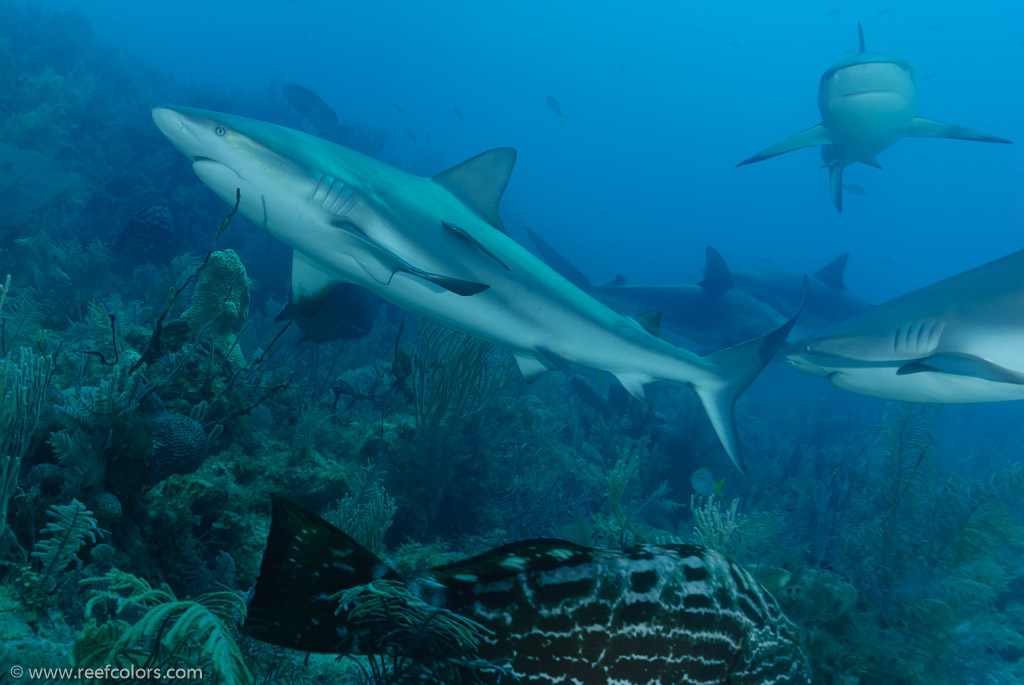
column 736, row 368
column 306, row 561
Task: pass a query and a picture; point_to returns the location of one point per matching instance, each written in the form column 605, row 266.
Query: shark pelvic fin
column 311, row 284
column 480, row 182
column 835, row 183
column 962, row 365
column 462, row 233
column 812, row 137
column 873, row 162
column 531, row 367
column 832, row 273
column 634, row 383
column 860, row 38
column 929, row 128
column 717, row 278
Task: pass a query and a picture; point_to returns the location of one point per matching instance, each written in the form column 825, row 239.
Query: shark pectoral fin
column 717, row 278
column 480, row 181
column 835, row 184
column 812, row 137
column 962, row 365
column 311, row 283
column 929, row 128
column 634, row 383
column 832, row 273
column 651, row 322
column 462, row 233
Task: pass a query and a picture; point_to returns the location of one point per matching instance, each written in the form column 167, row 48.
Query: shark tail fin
column 929, row 128
column 736, row 368
column 305, row 562
column 860, row 37
column 835, row 182
column 812, row 137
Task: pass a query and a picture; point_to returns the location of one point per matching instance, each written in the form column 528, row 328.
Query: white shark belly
column 925, row 387
column 865, row 124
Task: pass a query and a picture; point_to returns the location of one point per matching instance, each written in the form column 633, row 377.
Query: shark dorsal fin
column 832, row 273
column 619, row 280
column 651, row 322
column 717, row 278
column 480, row 181
column 860, row 37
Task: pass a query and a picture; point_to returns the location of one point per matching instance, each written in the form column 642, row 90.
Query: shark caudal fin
column 812, row 137
column 929, row 128
column 307, row 561
column 736, row 368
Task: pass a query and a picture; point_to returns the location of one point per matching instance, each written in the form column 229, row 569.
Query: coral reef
column 220, row 304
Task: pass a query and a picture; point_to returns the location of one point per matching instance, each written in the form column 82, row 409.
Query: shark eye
column 219, row 130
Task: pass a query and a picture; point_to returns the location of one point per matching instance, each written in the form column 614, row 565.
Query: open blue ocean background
column 662, row 101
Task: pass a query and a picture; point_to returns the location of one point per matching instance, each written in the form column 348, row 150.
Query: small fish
column 458, row 112
column 704, row 484
column 426, row 137
column 557, row 612
column 833, row 13
column 398, row 107
column 347, row 312
column 883, row 12
column 855, row 189
column 412, row 136
column 557, row 109
column 926, row 77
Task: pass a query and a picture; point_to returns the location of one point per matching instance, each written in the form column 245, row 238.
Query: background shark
column 436, row 246
column 712, row 313
column 958, row 340
column 828, row 300
column 867, row 103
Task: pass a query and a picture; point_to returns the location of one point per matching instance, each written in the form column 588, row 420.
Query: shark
column 958, row 340
column 828, row 300
column 437, row 247
column 867, row 102
column 712, row 313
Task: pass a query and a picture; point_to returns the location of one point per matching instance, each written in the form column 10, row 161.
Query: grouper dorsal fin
column 717, row 278
column 527, row 556
column 480, row 181
column 832, row 273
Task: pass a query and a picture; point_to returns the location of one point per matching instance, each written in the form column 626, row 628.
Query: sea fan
column 168, row 632
column 72, row 524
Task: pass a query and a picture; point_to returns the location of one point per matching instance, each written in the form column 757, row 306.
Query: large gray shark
column 436, row 247
column 958, row 340
column 828, row 301
column 712, row 313
column 867, row 103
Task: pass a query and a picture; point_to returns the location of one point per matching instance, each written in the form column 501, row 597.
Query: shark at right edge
column 958, row 340
column 867, row 102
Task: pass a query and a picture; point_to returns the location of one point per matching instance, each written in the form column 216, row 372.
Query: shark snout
column 182, row 130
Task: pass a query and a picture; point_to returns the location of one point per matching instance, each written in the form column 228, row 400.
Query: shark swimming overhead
column 958, row 340
column 867, row 103
column 436, row 247
column 712, row 313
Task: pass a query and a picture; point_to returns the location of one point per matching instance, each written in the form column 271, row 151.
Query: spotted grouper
column 556, row 613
